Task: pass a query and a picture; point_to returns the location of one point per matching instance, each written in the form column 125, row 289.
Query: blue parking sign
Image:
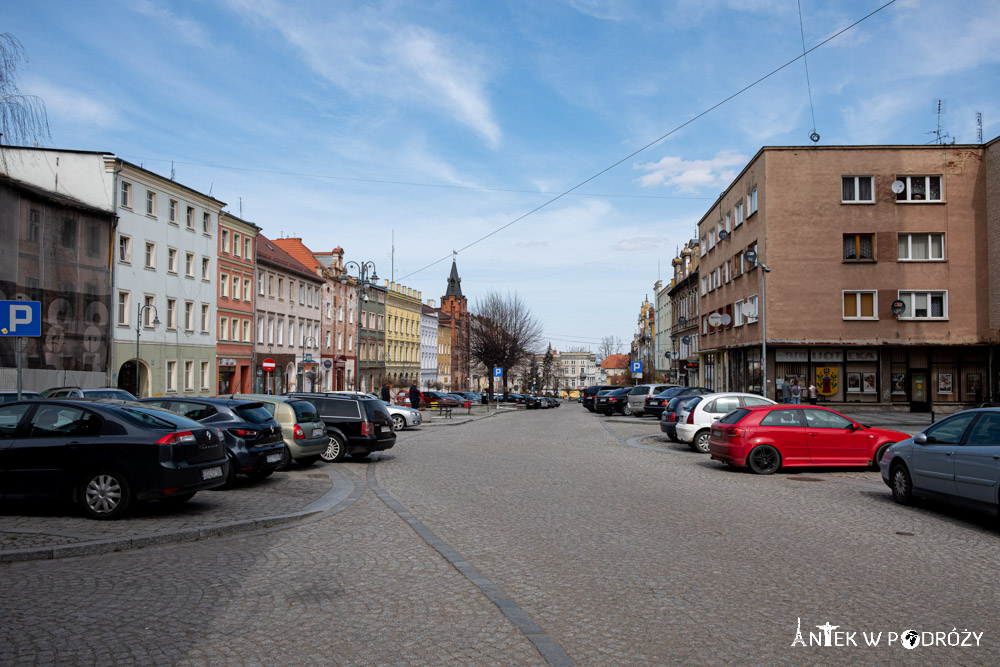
column 498, row 372
column 21, row 318
column 636, row 366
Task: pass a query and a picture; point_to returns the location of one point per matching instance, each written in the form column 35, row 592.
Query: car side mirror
column 920, row 439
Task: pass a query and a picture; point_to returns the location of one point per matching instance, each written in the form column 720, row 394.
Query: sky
column 406, row 131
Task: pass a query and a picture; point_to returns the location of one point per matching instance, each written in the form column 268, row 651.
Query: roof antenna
column 814, row 135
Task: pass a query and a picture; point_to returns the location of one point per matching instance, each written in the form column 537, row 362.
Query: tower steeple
column 454, row 283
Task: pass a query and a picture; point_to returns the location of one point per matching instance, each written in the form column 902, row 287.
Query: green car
column 304, row 432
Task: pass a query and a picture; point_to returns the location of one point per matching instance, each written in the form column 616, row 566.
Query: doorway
column 919, row 391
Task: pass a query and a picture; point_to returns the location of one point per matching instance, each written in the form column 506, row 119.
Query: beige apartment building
column 871, row 277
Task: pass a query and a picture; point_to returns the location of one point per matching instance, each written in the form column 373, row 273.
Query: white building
column 428, row 343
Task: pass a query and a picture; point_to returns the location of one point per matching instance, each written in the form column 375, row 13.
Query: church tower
column 454, row 304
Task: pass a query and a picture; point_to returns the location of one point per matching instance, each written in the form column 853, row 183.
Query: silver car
column 696, row 415
column 957, row 459
column 637, row 397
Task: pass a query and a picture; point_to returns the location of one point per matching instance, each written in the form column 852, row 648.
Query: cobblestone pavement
column 547, row 536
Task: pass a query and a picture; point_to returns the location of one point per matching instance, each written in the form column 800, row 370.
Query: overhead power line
column 654, row 142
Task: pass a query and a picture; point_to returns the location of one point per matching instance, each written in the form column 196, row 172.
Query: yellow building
column 403, row 306
column 445, row 325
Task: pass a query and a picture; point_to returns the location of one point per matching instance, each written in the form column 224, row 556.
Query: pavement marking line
column 545, row 645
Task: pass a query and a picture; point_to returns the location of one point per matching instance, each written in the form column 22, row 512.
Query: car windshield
column 304, row 411
column 253, row 413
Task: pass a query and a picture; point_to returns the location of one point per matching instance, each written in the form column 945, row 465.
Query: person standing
column 386, row 392
column 786, row 391
column 812, row 393
column 796, row 392
column 414, row 397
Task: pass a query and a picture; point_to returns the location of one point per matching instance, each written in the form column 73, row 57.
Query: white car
column 402, row 416
column 696, row 415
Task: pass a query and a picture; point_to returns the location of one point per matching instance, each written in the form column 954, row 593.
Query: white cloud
column 185, row 29
column 694, row 175
column 74, row 106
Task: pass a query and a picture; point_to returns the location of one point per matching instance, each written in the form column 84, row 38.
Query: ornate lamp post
column 305, row 344
column 366, row 275
column 138, row 329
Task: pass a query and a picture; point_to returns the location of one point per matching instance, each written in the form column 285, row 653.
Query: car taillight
column 672, row 417
column 690, row 419
column 612, row 400
column 734, row 432
column 298, row 433
column 367, row 428
column 178, row 438
column 244, row 432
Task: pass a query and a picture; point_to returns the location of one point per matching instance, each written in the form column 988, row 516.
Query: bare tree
column 23, row 121
column 609, row 345
column 502, row 333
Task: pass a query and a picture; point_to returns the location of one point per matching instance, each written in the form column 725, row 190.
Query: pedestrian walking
column 414, row 397
column 786, row 391
column 796, row 392
column 813, row 394
column 386, row 392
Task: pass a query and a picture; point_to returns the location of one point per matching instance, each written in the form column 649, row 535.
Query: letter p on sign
column 20, row 318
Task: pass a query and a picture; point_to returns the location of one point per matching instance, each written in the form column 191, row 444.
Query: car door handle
column 996, row 456
column 948, row 453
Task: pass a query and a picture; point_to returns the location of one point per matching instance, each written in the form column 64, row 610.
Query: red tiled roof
column 270, row 253
column 615, row 361
column 297, row 249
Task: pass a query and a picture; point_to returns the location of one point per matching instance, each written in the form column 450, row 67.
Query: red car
column 769, row 437
column 403, row 398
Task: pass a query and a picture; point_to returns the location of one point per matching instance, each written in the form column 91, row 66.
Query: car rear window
column 157, row 420
column 641, row 389
column 304, row 411
column 734, row 417
column 109, row 393
column 253, row 413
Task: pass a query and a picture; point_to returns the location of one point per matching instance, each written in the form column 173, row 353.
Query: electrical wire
column 654, row 142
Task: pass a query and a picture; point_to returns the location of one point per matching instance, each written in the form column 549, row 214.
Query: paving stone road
column 544, row 537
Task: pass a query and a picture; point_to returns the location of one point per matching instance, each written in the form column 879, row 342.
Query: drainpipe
column 111, row 274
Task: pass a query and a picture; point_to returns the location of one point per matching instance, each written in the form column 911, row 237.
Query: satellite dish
column 750, row 256
column 898, row 308
column 682, row 320
column 726, row 319
column 723, row 235
column 898, row 186
column 715, row 319
column 749, row 309
column 686, row 340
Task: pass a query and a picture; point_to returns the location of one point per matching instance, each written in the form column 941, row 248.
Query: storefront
column 275, row 381
column 233, row 375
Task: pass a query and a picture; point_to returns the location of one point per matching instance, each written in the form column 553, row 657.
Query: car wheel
column 764, row 460
column 286, row 459
column 700, row 442
column 336, row 450
column 398, row 423
column 627, row 411
column 902, row 486
column 306, row 461
column 105, row 494
column 257, row 475
column 879, row 453
column 179, row 499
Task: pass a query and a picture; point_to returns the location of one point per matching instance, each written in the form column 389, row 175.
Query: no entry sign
column 267, row 365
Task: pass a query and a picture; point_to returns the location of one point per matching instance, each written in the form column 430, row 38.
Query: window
column 270, row 285
column 171, row 313
column 93, row 240
column 34, row 225
column 270, row 331
column 224, row 243
column 150, row 255
column 921, row 247
column 738, row 213
column 788, row 418
column 236, row 288
column 340, row 340
column 281, row 332
column 857, row 190
column 236, row 244
column 260, row 330
column 206, row 223
column 126, row 194
column 302, row 294
column 711, row 239
column 124, row 307
column 172, row 212
column 171, row 260
column 124, row 249
column 751, row 310
column 189, row 264
column 223, row 328
column 281, row 288
column 189, row 315
column 236, row 329
column 171, row 376
column 860, row 305
column 924, row 305
column 246, row 331
column 148, row 302
column 150, row 203
column 247, row 248
column 859, row 247
column 68, row 235
column 919, row 188
column 738, row 313
column 826, row 419
column 246, row 289
column 204, row 375
column 206, row 266
column 188, row 376
column 205, row 314
column 224, row 285
column 752, row 202
column 189, row 217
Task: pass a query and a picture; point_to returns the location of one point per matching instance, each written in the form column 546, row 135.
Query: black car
column 534, row 403
column 356, row 425
column 11, row 396
column 610, row 402
column 254, row 442
column 655, row 405
column 668, row 419
column 106, row 456
column 590, row 393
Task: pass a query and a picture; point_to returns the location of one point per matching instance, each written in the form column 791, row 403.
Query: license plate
column 317, row 432
column 274, row 458
column 383, row 429
column 717, row 434
column 211, row 473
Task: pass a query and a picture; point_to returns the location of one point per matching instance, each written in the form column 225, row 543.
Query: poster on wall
column 945, row 383
column 827, row 380
column 868, row 382
column 854, row 383
column 899, row 384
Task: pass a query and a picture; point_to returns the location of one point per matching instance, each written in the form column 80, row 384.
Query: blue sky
column 437, row 122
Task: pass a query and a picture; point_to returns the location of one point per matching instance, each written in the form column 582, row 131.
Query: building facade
column 456, row 306
column 403, row 307
column 684, row 317
column 237, row 259
column 444, row 338
column 429, row 344
column 662, row 362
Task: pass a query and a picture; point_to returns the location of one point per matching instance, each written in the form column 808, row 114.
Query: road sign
column 498, row 372
column 636, row 366
column 308, row 356
column 267, row 365
column 21, row 318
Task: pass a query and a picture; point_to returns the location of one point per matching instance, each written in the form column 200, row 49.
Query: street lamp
column 366, row 276
column 305, row 344
column 138, row 329
column 751, row 257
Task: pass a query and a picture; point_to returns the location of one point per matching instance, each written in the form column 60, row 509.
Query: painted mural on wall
column 827, row 380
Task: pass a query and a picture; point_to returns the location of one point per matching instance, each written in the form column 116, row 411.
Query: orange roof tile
column 297, row 249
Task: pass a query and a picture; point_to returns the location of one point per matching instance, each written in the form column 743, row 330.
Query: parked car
column 470, row 396
column 254, row 443
column 616, row 400
column 302, row 430
column 696, row 415
column 639, row 393
column 668, row 419
column 439, row 399
column 549, row 402
column 768, row 437
column 403, row 398
column 11, row 396
column 401, row 415
column 105, row 457
column 590, row 393
column 956, row 460
column 355, row 425
column 534, row 403
column 80, row 392
column 655, row 404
